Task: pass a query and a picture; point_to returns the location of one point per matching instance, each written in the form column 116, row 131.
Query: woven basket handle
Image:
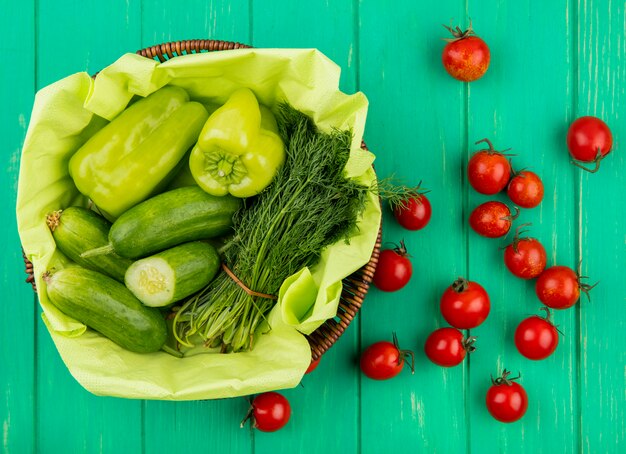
column 191, row 46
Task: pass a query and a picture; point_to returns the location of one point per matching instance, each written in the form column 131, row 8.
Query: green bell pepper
column 130, row 158
column 239, row 150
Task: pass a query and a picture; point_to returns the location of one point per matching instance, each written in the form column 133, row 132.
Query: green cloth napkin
column 68, row 112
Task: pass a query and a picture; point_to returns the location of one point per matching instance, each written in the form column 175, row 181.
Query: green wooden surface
column 551, row 62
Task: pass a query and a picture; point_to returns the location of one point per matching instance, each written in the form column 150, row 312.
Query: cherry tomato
column 525, row 257
column 447, row 347
column 536, row 337
column 414, row 213
column 506, row 400
column 465, row 304
column 488, row 171
column 270, row 411
column 466, row 56
column 589, row 140
column 394, row 269
column 525, row 189
column 492, row 219
column 384, row 360
column 559, row 287
column 313, row 365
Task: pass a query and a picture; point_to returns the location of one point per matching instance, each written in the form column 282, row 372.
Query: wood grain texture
column 17, row 309
column 519, row 104
column 601, row 77
column 416, row 127
column 69, row 419
column 551, row 62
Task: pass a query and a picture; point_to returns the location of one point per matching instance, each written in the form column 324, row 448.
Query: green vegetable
column 173, row 274
column 124, row 162
column 76, row 230
column 239, row 150
column 168, row 219
column 108, row 307
column 309, row 205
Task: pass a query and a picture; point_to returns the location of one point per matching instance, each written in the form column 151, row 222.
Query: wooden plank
column 84, row 36
column 69, row 419
column 416, row 127
column 204, row 424
column 600, row 43
column 17, row 323
column 325, row 410
column 523, row 102
column 168, row 20
column 330, row 28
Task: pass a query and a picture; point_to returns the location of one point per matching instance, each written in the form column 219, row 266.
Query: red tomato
column 466, row 56
column 492, row 219
column 414, row 213
column 589, row 139
column 506, row 400
column 465, row 304
column 394, row 269
column 536, row 337
column 313, row 365
column 446, row 347
column 525, row 257
column 559, row 287
column 383, row 360
column 488, row 171
column 525, row 189
column 270, row 411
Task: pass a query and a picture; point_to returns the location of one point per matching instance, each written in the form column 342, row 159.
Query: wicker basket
column 355, row 286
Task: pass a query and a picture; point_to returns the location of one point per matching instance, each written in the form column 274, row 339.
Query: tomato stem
column 401, row 249
column 468, row 344
column 518, row 237
column 548, row 318
column 583, row 286
column 512, row 217
column 491, row 149
column 404, row 354
column 248, row 414
column 504, row 378
column 458, row 33
column 599, row 157
column 460, row 285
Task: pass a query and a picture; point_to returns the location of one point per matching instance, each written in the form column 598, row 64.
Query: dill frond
column 309, row 205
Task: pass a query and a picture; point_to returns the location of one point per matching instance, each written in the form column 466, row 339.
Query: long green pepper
column 129, row 159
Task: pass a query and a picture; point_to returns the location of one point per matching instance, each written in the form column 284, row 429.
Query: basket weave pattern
column 355, row 286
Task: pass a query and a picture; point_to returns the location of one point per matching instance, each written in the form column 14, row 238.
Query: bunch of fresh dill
column 309, row 205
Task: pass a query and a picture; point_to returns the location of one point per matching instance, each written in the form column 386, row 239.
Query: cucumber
column 76, row 230
column 171, row 275
column 171, row 218
column 105, row 305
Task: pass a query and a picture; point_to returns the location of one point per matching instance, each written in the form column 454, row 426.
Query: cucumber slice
column 174, row 274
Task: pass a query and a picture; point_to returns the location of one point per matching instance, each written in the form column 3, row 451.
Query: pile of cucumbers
column 152, row 256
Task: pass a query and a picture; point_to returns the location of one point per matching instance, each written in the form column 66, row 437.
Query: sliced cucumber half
column 173, row 274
